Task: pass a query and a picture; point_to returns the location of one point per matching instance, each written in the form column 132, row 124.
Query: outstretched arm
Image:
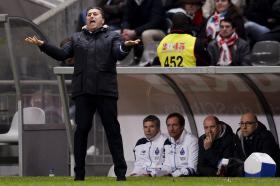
column 132, row 42
column 121, row 49
column 34, row 41
column 60, row 54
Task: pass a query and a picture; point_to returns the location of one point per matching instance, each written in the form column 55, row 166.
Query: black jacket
column 113, row 11
column 95, row 56
column 261, row 140
column 259, row 11
column 149, row 15
column 222, row 147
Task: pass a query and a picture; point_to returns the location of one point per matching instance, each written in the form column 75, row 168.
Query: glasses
column 248, row 123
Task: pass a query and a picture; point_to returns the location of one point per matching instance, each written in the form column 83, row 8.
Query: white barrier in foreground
column 259, row 165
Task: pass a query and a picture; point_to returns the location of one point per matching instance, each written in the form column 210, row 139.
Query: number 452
column 173, row 61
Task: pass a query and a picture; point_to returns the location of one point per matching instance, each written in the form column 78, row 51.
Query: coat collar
column 101, row 29
column 155, row 137
column 181, row 138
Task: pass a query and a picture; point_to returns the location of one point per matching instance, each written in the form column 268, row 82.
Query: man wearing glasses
column 254, row 137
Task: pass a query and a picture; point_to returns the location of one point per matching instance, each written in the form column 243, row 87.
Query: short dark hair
column 153, row 119
column 98, row 8
column 178, row 116
column 230, row 21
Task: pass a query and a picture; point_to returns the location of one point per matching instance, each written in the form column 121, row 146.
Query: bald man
column 254, row 137
column 217, row 143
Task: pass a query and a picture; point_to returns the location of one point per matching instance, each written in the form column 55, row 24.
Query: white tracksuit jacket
column 148, row 155
column 180, row 157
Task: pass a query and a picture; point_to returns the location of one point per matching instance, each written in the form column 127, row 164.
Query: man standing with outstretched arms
column 96, row 50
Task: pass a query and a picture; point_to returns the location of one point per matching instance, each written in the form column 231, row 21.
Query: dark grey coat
column 95, row 56
column 240, row 53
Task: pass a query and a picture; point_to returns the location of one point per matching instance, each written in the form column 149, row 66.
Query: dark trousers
column 138, row 50
column 86, row 106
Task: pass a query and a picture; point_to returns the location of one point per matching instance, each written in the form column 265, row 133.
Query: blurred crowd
column 185, row 33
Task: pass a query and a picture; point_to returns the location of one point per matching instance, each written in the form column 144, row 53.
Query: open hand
column 34, row 40
column 132, row 42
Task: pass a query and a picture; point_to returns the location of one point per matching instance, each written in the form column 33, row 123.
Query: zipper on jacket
column 150, row 154
column 174, row 157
